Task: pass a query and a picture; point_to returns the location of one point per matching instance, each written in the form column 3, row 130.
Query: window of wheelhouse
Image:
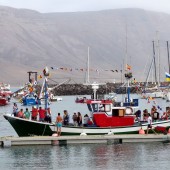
column 118, row 112
column 95, row 107
column 104, row 108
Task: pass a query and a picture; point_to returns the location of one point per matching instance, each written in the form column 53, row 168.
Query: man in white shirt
column 150, row 124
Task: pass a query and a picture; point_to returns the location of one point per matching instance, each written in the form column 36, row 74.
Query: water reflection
column 92, row 156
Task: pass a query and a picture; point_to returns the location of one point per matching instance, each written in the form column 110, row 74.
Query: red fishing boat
column 3, row 100
column 80, row 99
column 105, row 117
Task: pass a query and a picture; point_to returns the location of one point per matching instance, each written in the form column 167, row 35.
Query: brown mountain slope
column 31, row 40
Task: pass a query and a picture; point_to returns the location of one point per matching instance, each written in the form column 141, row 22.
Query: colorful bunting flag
column 128, row 67
column 167, row 75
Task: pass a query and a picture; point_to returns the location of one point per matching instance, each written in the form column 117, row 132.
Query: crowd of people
column 154, row 113
column 33, row 114
column 40, row 114
column 151, row 116
column 77, row 120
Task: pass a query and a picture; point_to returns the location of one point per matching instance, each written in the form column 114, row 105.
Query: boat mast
column 87, row 73
column 154, row 61
column 129, row 74
column 158, row 51
column 46, row 74
column 168, row 55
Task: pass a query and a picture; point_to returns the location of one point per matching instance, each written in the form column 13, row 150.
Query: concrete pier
column 8, row 141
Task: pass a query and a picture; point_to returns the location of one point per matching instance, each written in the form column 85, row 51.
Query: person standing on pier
column 59, row 124
column 150, row 124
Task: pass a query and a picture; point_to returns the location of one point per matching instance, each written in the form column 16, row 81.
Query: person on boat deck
column 41, row 114
column 21, row 114
column 66, row 118
column 138, row 115
column 86, row 120
column 75, row 119
column 48, row 115
column 145, row 115
column 153, row 109
column 150, row 124
column 154, row 113
column 168, row 111
column 34, row 113
column 27, row 113
column 59, row 124
column 164, row 116
column 15, row 109
column 79, row 119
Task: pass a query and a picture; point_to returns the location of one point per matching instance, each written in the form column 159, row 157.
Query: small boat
column 30, row 100
column 53, row 98
column 5, row 89
column 3, row 101
column 80, row 99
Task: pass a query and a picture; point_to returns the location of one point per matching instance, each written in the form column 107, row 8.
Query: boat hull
column 3, row 102
column 24, row 127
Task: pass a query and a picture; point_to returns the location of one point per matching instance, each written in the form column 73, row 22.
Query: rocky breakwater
column 80, row 89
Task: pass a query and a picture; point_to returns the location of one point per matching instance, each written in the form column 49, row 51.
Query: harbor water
column 132, row 156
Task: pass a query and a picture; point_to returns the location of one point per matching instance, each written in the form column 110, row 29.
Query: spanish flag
column 167, row 75
column 128, row 67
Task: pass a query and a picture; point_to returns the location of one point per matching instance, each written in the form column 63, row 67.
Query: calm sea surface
column 87, row 156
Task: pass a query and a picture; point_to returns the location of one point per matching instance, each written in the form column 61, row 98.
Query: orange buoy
column 55, row 142
column 169, row 130
column 55, row 135
column 141, row 131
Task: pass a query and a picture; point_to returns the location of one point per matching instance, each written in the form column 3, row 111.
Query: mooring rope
column 44, row 130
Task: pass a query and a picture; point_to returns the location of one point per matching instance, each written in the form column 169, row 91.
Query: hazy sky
column 87, row 5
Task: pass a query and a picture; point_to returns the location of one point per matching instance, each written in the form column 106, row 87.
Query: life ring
column 35, row 82
column 128, row 111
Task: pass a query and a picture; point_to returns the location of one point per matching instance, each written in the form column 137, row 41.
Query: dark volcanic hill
column 31, row 40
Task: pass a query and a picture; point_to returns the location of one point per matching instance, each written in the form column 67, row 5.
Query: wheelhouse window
column 95, row 107
column 118, row 112
column 105, row 108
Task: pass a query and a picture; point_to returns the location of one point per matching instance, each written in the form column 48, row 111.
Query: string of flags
column 91, row 69
column 127, row 67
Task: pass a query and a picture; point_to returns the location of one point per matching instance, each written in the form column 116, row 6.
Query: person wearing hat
column 34, row 113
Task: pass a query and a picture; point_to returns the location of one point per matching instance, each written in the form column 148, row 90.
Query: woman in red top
column 21, row 114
